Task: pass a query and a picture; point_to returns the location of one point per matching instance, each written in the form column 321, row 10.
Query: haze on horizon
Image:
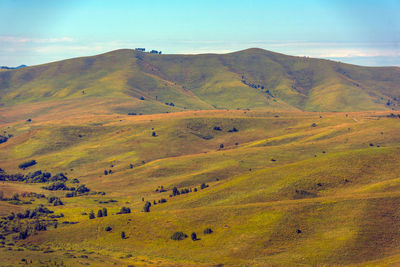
column 358, row 32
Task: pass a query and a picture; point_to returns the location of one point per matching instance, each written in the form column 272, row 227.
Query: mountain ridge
column 248, row 79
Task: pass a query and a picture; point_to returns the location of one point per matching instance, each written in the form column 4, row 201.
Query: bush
column 175, row 191
column 203, row 185
column 82, row 189
column 208, row 231
column 193, row 236
column 108, row 229
column 147, row 206
column 105, row 212
column 3, row 139
column 99, row 213
column 124, row 210
column 91, row 215
column 123, row 235
column 178, row 236
column 27, row 164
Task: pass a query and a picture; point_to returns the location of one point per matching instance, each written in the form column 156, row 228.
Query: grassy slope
column 345, row 203
column 203, row 82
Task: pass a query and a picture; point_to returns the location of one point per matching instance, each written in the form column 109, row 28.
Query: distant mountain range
column 252, row 78
column 12, row 68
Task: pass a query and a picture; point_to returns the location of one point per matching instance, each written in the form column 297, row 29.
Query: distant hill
column 254, row 78
column 12, row 68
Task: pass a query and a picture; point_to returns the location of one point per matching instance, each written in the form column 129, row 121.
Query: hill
column 137, row 82
column 264, row 183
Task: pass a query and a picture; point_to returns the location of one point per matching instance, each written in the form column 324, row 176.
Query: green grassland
column 300, row 157
column 337, row 182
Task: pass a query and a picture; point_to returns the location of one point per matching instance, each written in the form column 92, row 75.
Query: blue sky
column 360, row 32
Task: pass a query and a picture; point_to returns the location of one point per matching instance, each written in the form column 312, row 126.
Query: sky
column 359, row 32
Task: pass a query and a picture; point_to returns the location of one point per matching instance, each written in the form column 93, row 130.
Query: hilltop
column 136, row 82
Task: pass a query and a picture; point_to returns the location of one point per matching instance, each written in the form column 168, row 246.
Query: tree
column 123, row 235
column 221, row 146
column 193, row 236
column 175, row 191
column 100, row 213
column 153, row 134
column 108, row 228
column 105, row 172
column 91, row 215
column 105, row 212
column 147, row 206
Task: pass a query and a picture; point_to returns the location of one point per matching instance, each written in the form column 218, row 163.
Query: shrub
column 27, row 164
column 99, row 213
column 147, row 206
column 208, row 231
column 82, row 189
column 221, row 146
column 108, row 229
column 175, row 191
column 203, row 185
column 123, row 235
column 193, row 236
column 124, row 210
column 105, row 212
column 178, row 236
column 3, row 139
column 91, row 215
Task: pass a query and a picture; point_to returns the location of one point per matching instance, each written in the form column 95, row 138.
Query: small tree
column 123, row 235
column 147, row 206
column 99, row 213
column 153, row 134
column 108, row 228
column 104, row 212
column 193, row 236
column 175, row 191
column 91, row 215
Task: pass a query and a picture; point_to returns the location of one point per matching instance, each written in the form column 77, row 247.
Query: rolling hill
column 266, row 176
column 248, row 79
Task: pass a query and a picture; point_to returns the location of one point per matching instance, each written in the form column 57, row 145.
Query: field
column 286, row 188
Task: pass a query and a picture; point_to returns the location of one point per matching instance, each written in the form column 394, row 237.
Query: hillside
column 253, row 79
column 259, row 178
column 286, row 188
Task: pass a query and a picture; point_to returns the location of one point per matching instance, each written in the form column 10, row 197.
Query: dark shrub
column 108, row 229
column 203, row 185
column 193, row 236
column 82, row 189
column 147, row 206
column 91, row 215
column 124, row 210
column 27, row 164
column 104, row 212
column 175, row 191
column 178, row 236
column 99, row 213
column 123, row 235
column 3, row 139
column 208, row 231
